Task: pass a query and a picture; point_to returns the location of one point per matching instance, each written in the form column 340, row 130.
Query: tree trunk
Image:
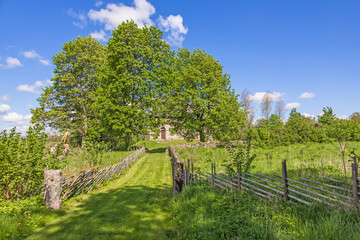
column 127, row 140
column 202, row 136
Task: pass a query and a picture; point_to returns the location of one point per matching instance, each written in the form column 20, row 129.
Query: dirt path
column 135, row 206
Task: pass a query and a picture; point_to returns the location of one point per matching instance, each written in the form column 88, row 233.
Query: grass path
column 134, row 206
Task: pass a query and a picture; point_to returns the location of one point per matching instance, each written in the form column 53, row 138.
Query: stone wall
column 199, row 144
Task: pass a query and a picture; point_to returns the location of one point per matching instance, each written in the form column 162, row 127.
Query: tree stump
column 53, row 188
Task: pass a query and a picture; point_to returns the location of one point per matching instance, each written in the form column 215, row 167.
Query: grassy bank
column 303, row 160
column 203, row 213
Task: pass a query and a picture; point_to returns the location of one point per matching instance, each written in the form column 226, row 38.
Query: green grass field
column 134, row 206
column 139, row 205
column 312, row 160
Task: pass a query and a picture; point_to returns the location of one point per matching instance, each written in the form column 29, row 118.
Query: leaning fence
column 329, row 191
column 84, row 180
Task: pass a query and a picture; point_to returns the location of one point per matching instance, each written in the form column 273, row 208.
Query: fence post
column 192, row 172
column 355, row 183
column 188, row 171
column 285, row 181
column 239, row 176
column 212, row 175
column 53, row 188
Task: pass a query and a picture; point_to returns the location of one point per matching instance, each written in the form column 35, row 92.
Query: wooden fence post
column 192, row 172
column 239, row 176
column 355, row 183
column 285, row 181
column 212, row 175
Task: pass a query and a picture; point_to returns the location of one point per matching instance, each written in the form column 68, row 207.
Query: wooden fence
column 84, row 180
column 330, row 191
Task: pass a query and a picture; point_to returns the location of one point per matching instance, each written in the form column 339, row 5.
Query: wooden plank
column 338, row 181
column 326, row 185
column 263, row 180
column 320, row 189
column 308, row 196
column 298, row 199
column 265, row 186
column 274, row 179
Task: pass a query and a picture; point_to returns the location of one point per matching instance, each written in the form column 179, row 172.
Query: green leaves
column 201, row 101
column 22, row 162
column 130, row 94
column 66, row 104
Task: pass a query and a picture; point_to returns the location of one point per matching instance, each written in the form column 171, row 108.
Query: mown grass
column 203, row 213
column 134, row 206
column 313, row 160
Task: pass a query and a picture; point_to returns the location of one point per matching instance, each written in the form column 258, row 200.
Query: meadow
column 312, row 160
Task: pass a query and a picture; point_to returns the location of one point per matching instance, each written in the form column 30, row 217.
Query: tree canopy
column 132, row 81
column 201, row 102
column 66, row 104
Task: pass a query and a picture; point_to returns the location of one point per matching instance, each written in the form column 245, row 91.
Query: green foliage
column 203, row 213
column 66, row 104
column 132, row 81
column 201, row 101
column 241, row 156
column 22, row 163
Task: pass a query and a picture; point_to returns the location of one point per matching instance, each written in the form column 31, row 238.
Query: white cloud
column 29, row 105
column 4, row 108
column 175, row 25
column 258, row 96
column 100, row 36
column 30, row 54
column 292, row 105
column 6, row 98
column 81, row 23
column 309, row 115
column 34, row 54
column 11, row 63
column 343, row 116
column 16, row 117
column 98, row 3
column 45, row 62
column 114, row 14
column 307, row 95
column 30, row 88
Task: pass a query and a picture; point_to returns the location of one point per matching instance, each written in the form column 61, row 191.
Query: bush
column 22, row 163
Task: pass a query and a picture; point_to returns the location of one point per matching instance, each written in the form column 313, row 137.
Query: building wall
column 168, row 135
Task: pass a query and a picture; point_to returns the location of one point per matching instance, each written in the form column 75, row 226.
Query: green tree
column 339, row 132
column 66, row 104
column 201, row 101
column 355, row 117
column 132, row 81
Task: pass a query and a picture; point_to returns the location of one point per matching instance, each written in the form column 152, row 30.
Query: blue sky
column 290, row 48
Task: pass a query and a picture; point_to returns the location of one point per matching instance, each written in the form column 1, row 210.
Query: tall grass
column 203, row 213
column 312, row 160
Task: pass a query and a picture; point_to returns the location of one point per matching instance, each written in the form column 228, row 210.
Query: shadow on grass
column 158, row 150
column 132, row 212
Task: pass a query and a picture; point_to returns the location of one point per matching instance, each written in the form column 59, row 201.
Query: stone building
column 165, row 134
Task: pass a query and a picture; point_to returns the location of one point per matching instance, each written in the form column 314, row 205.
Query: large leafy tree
column 132, row 81
column 201, row 102
column 66, row 104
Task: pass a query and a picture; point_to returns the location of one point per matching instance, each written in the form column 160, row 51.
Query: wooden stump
column 53, row 186
column 178, row 177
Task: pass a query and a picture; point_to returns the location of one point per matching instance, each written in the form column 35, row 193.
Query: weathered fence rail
column 333, row 192
column 83, row 181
